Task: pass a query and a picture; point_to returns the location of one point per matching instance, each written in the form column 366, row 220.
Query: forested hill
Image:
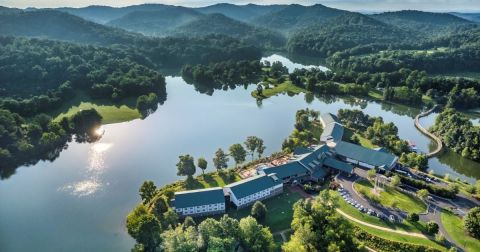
column 296, row 16
column 104, row 14
column 164, row 52
column 60, row 26
column 474, row 17
column 344, row 32
column 220, row 24
column 419, row 21
column 156, row 23
column 240, row 12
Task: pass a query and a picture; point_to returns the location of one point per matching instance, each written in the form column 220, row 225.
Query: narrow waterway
column 79, row 201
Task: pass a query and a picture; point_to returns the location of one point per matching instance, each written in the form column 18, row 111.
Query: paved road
column 347, row 182
column 434, row 209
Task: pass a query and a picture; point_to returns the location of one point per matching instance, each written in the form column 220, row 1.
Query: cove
column 79, row 201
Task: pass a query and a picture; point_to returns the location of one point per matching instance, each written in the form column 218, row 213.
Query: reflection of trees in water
column 400, row 109
column 460, row 164
column 209, row 88
column 81, row 136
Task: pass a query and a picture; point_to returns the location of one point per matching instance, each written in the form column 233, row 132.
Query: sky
column 353, row 5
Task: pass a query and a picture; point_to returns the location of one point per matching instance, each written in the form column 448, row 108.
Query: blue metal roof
column 365, row 155
column 199, row 197
column 286, row 170
column 253, row 185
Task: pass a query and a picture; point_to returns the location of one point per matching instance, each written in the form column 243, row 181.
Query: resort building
column 246, row 192
column 332, row 128
column 312, row 165
column 199, row 202
column 364, row 157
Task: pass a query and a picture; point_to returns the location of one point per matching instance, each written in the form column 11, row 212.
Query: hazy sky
column 362, row 5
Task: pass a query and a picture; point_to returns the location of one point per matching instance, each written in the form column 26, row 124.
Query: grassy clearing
column 109, row 113
column 391, row 197
column 280, row 211
column 454, row 226
column 214, row 179
column 418, row 227
column 284, row 87
column 348, row 133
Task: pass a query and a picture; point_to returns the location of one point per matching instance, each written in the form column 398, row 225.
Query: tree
column 422, row 194
column 147, row 191
column 202, row 164
column 318, row 227
column 189, row 222
column 179, row 239
column 413, row 217
column 432, row 227
column 220, row 160
column 259, row 90
column 144, row 228
column 477, row 185
column 253, row 144
column 238, row 153
column 186, row 166
column 255, row 237
column 259, row 211
column 158, row 206
column 395, row 181
column 471, row 222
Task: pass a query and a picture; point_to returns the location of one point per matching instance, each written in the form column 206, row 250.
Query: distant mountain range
column 293, row 26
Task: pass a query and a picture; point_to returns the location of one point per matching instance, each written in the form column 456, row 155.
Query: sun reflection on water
column 96, row 167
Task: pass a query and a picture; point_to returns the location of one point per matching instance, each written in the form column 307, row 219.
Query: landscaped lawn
column 454, row 226
column 418, row 227
column 404, row 226
column 286, row 86
column 391, row 197
column 280, row 211
column 109, row 113
column 214, row 179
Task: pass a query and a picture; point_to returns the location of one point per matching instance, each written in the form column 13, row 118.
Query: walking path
column 381, row 228
column 425, row 132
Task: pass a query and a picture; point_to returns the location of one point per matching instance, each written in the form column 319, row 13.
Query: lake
column 79, row 201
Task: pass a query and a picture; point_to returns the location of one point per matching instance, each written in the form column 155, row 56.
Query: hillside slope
column 344, row 32
column 294, row 17
column 220, row 24
column 156, row 23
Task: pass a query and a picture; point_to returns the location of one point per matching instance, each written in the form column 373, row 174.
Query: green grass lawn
column 418, row 227
column 348, row 133
column 285, row 87
column 214, row 179
column 400, row 238
column 280, row 211
column 109, row 113
column 454, row 226
column 391, row 197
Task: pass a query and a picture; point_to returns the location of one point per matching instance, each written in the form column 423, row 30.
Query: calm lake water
column 79, row 201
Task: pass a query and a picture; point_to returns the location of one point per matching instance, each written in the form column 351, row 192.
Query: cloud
column 355, row 5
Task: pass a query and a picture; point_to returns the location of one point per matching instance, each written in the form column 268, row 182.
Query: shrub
column 471, row 222
column 432, row 227
column 413, row 217
column 385, row 245
column 259, row 210
column 433, row 189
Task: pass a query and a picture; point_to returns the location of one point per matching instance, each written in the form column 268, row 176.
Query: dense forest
column 458, row 133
